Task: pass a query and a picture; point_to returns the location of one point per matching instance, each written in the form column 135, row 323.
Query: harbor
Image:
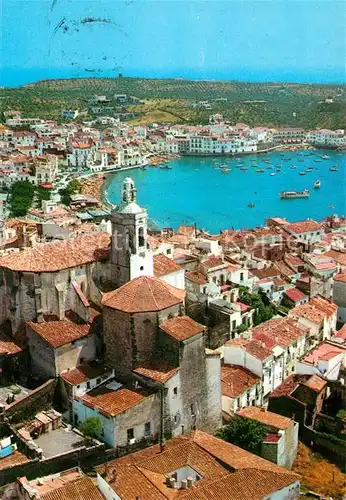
column 239, row 192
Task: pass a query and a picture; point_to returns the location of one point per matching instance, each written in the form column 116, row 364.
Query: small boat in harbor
column 293, row 166
column 251, row 205
column 325, row 157
column 302, row 173
column 309, row 169
column 295, row 194
column 243, row 169
column 333, row 169
column 317, row 184
column 273, row 173
column 260, row 170
column 317, row 159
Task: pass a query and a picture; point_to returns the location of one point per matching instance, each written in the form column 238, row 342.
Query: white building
column 211, row 145
column 308, row 231
column 327, row 138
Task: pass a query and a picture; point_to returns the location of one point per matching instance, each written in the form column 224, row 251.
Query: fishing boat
column 317, row 159
column 309, row 169
column 325, row 157
column 293, row 166
column 260, row 170
column 333, row 169
column 273, row 173
column 243, row 169
column 302, row 173
column 295, row 194
column 317, row 184
column 251, row 205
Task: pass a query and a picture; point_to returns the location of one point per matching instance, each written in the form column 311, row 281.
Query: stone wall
column 40, row 398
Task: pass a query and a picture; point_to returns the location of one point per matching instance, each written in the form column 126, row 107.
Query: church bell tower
column 130, row 252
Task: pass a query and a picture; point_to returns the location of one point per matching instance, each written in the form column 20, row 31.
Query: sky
column 259, row 40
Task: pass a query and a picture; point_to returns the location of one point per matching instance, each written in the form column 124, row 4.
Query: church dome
column 131, row 208
column 143, row 294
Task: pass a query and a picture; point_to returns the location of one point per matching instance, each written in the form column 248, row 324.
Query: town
column 134, row 359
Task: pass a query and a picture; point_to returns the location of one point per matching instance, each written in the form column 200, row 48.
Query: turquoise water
column 195, row 190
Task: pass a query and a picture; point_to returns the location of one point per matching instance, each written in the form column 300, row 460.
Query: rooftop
column 256, row 348
column 16, row 458
column 278, row 331
column 8, row 346
column 315, row 383
column 59, row 441
column 197, row 278
column 164, row 265
column 59, row 333
column 294, row 294
column 59, row 255
column 225, row 471
column 158, row 371
column 266, row 417
column 83, row 373
column 213, row 261
column 323, row 352
column 143, row 294
column 182, row 327
column 235, row 380
column 303, row 227
column 111, row 402
column 316, row 310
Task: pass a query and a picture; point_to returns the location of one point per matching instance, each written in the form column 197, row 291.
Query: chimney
column 183, row 429
column 183, row 484
column 189, row 482
column 263, row 409
column 170, row 482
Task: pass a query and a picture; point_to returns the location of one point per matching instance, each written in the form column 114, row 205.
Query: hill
column 254, row 103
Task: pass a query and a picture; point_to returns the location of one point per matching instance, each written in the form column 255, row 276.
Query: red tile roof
column 182, row 327
column 197, row 278
column 213, row 261
column 59, row 255
column 228, row 472
column 266, row 417
column 83, row 373
column 303, row 227
column 159, row 371
column 81, row 489
column 294, row 294
column 279, row 331
column 254, row 347
column 316, row 310
column 324, row 351
column 341, row 334
column 59, row 333
column 164, row 265
column 143, row 294
column 111, row 402
column 235, row 380
column 8, row 346
column 15, row 458
column 316, row 383
column 340, row 277
column 288, row 385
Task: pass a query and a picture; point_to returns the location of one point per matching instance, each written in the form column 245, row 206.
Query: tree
column 21, row 198
column 72, row 187
column 91, row 427
column 245, row 433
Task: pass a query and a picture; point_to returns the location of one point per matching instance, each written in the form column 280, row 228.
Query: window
column 98, row 381
column 141, row 268
column 147, row 428
column 88, row 385
column 175, row 391
column 130, row 434
column 169, row 251
column 241, row 276
column 141, row 242
column 192, row 409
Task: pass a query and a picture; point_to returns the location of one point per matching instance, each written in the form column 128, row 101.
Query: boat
column 317, row 184
column 331, row 206
column 302, row 173
column 273, row 173
column 251, row 205
column 325, row 157
column 309, row 169
column 333, row 169
column 317, row 159
column 260, row 170
column 243, row 169
column 295, row 194
column 293, row 166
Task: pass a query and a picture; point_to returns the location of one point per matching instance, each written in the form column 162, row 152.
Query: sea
column 198, row 190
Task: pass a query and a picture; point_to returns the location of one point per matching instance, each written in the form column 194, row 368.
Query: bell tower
column 130, row 252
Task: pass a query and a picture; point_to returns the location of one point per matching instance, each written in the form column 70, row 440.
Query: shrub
column 91, row 427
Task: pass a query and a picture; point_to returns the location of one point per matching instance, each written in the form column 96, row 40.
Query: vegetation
column 341, row 414
column 91, row 427
column 245, row 433
column 42, row 194
column 318, row 474
column 171, row 100
column 72, row 187
column 21, row 197
column 259, row 301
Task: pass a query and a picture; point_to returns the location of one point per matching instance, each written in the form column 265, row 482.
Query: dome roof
column 143, row 294
column 130, row 208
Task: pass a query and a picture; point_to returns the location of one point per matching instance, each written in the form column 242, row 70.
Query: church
column 96, row 297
